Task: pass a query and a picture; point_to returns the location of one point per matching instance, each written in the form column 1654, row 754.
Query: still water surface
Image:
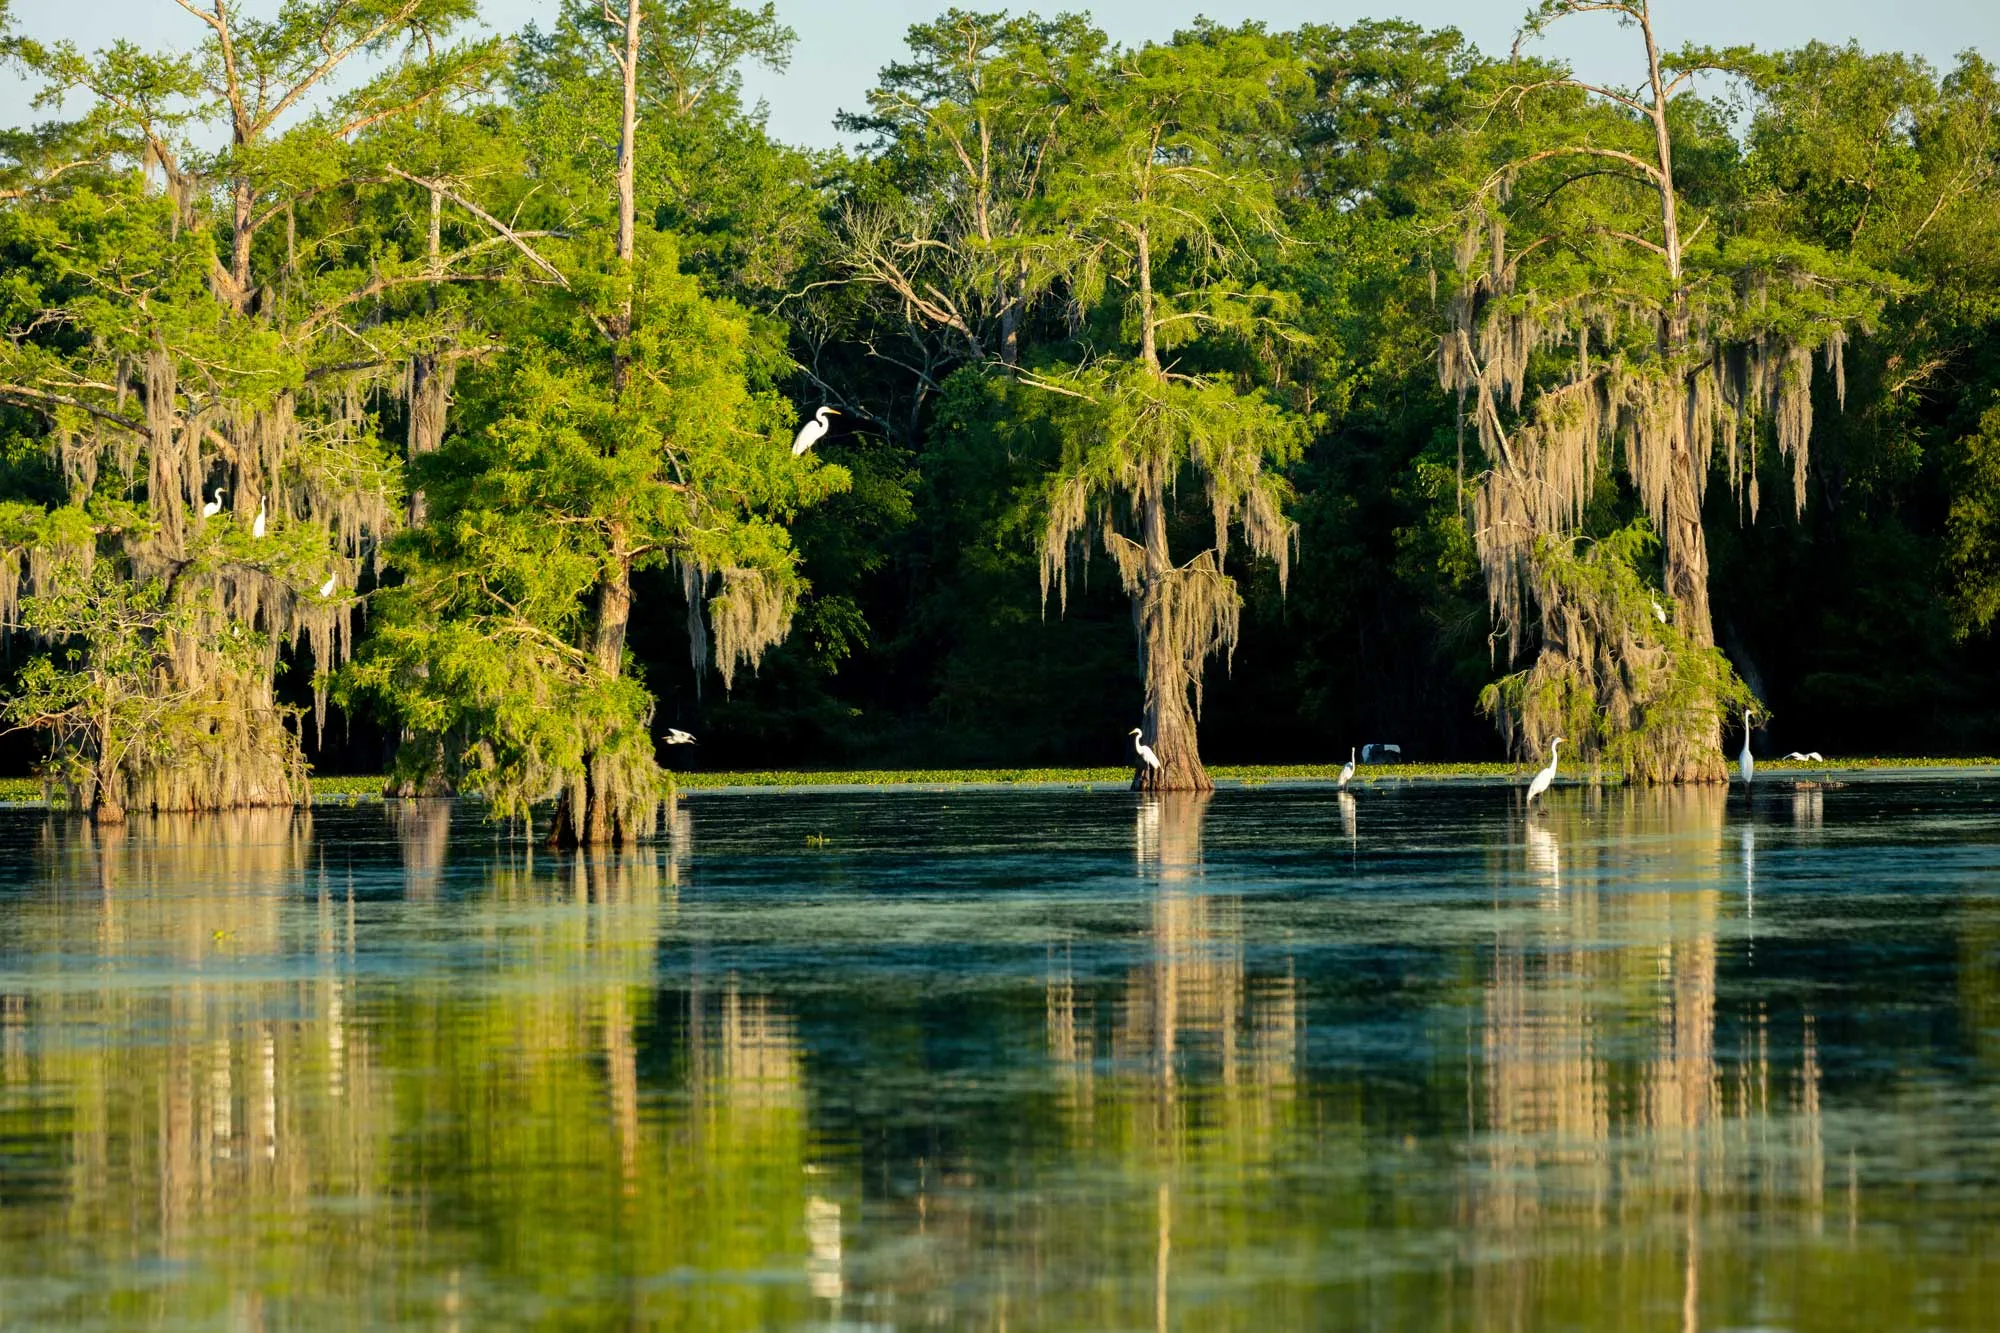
column 1278, row 1058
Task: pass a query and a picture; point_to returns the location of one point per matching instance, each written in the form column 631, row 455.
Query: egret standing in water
column 1347, row 769
column 1546, row 776
column 1744, row 763
column 813, row 431
column 1145, row 751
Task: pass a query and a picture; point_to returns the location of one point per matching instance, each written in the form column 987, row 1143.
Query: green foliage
column 1973, row 526
column 1620, row 678
column 1174, row 307
column 128, row 724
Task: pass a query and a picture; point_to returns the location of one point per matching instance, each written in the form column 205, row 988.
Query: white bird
column 332, row 582
column 1547, row 775
column 675, row 736
column 257, row 525
column 1660, row 613
column 1812, row 755
column 813, row 431
column 1744, row 763
column 1347, row 769
column 213, row 507
column 1145, row 750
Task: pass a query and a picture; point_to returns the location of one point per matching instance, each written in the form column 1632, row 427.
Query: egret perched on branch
column 1347, row 769
column 1547, row 775
column 675, row 736
column 813, row 431
column 1659, row 612
column 1744, row 763
column 257, row 526
column 1145, row 751
column 213, row 507
column 332, row 582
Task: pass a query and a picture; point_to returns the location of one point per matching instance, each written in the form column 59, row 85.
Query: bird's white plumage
column 1547, row 775
column 1347, row 769
column 1660, row 613
column 213, row 507
column 813, row 431
column 1813, row 756
column 332, row 582
column 675, row 736
column 1744, row 763
column 1144, row 750
column 257, row 524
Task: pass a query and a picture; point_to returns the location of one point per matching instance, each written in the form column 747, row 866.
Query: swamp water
column 1275, row 1059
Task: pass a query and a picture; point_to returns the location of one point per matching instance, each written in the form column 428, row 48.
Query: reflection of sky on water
column 1043, row 1059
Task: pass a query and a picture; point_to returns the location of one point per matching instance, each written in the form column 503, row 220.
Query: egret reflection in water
column 1047, row 1060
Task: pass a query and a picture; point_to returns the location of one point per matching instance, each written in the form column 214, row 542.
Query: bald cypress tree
column 1158, row 220
column 205, row 321
column 1604, row 314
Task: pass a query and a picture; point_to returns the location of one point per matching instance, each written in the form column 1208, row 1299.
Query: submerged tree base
column 1170, row 776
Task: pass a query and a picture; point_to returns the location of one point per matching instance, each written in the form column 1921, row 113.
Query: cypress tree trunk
column 601, row 823
column 1163, row 660
column 1696, row 754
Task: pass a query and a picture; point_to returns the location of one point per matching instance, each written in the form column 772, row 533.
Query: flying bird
column 675, row 736
column 257, row 526
column 1547, row 775
column 813, row 431
column 1744, row 763
column 1347, row 769
column 1813, row 756
column 332, row 582
column 1145, row 750
column 213, row 507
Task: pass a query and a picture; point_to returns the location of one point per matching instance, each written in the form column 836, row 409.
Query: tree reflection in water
column 1031, row 1063
column 306, row 1140
column 1605, row 1098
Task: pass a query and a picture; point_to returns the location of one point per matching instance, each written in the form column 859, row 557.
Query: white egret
column 332, row 582
column 1347, row 769
column 1547, row 775
column 1659, row 613
column 813, row 431
column 1145, row 750
column 1744, row 763
column 257, row 524
column 675, row 736
column 1813, row 756
column 213, row 507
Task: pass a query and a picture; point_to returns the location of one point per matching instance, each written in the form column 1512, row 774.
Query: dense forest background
column 944, row 288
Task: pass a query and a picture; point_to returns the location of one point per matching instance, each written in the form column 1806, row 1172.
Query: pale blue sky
column 843, row 42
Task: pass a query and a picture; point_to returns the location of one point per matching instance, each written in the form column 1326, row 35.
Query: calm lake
column 1274, row 1059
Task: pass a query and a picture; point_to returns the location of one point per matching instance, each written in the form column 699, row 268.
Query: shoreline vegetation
column 350, row 790
column 381, row 388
